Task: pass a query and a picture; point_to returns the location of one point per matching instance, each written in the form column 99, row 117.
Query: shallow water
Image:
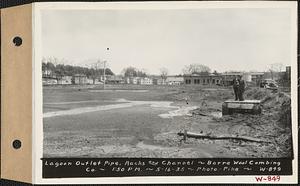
column 180, row 111
column 119, row 90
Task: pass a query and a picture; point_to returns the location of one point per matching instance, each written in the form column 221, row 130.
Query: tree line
column 59, row 70
column 189, row 69
column 52, row 66
column 133, row 72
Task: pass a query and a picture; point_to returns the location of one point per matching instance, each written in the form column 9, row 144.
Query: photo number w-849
column 267, row 178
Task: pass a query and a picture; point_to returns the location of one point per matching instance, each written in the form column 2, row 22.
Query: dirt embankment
column 273, row 125
column 275, row 119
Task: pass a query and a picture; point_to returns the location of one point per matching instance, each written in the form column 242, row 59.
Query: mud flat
column 145, row 124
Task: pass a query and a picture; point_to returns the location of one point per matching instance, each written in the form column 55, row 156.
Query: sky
column 222, row 39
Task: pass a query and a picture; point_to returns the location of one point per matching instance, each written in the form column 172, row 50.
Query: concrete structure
column 247, row 106
column 209, row 79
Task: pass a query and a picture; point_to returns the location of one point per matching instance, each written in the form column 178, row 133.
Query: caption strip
column 116, row 167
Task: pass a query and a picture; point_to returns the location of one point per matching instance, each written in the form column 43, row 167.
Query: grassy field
column 143, row 121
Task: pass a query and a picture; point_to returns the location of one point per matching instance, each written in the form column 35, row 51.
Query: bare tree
column 164, row 73
column 196, row 69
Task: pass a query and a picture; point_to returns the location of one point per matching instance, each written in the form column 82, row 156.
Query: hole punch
column 17, row 144
column 17, row 41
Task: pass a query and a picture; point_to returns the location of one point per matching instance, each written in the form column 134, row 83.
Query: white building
column 49, row 81
column 158, row 81
column 145, row 81
column 65, row 80
column 90, row 81
column 98, row 81
column 174, row 80
column 131, row 80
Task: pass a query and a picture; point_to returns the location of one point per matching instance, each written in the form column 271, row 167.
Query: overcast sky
column 223, row 39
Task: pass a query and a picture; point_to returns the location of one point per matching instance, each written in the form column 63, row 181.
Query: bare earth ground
column 143, row 121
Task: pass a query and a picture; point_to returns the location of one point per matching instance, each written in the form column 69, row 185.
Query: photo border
column 37, row 89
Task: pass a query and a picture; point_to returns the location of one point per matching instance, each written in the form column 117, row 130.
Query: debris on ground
column 221, row 137
column 272, row 125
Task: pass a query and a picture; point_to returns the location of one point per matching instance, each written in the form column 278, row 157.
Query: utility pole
column 104, row 63
column 104, row 68
column 96, row 66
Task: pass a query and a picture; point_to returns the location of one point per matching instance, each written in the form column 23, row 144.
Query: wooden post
column 185, row 135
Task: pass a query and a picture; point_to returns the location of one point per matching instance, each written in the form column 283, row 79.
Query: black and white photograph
column 168, row 83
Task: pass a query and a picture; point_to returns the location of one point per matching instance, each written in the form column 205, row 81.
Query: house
column 114, row 80
column 202, row 79
column 90, row 81
column 157, row 80
column 80, row 79
column 174, row 80
column 49, row 81
column 94, row 81
column 145, row 81
column 64, row 80
column 131, row 80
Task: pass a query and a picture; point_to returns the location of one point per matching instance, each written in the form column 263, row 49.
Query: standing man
column 241, row 88
column 236, row 88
